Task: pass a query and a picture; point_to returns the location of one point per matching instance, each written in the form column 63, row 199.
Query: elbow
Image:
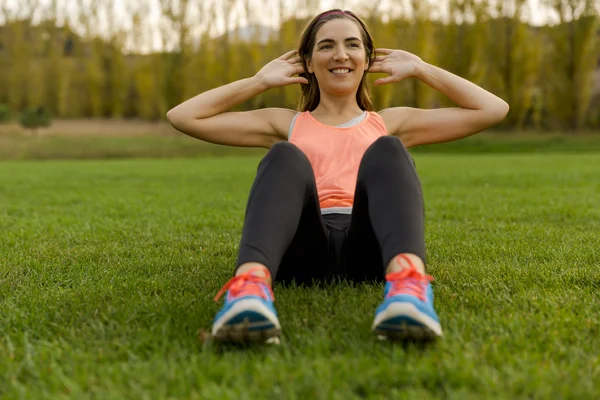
column 504, row 109
column 500, row 111
column 173, row 117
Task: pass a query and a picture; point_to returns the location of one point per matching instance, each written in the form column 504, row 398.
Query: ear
column 308, row 65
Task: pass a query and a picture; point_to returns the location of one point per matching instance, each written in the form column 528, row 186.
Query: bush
column 34, row 118
column 4, row 113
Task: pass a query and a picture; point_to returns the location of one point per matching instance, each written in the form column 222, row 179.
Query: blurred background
column 109, row 70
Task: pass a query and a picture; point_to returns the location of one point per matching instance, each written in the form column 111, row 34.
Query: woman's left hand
column 398, row 64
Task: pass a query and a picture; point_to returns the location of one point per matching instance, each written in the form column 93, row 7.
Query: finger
column 383, row 51
column 295, row 60
column 297, row 80
column 376, row 68
column 288, row 54
column 299, row 69
column 379, row 58
column 384, row 81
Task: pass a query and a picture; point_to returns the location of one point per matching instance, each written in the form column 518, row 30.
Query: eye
column 354, row 45
column 326, row 46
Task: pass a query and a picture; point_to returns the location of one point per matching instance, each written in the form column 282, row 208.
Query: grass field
column 107, row 139
column 108, row 270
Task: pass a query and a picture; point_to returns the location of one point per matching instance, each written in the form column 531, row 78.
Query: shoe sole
column 242, row 333
column 248, row 321
column 403, row 321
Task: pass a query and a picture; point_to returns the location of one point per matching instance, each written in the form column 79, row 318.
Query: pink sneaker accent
column 248, row 284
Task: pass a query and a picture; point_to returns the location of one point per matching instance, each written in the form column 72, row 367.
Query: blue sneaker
column 248, row 314
column 407, row 310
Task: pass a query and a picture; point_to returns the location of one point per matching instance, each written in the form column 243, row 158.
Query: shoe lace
column 247, row 284
column 408, row 281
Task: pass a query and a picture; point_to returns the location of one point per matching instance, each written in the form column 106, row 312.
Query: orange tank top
column 335, row 154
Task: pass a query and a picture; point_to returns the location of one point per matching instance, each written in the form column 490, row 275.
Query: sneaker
column 248, row 314
column 407, row 310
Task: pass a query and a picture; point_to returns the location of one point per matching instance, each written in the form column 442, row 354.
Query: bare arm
column 477, row 108
column 219, row 100
column 205, row 116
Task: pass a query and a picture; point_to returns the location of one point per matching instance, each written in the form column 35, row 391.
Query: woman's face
column 338, row 58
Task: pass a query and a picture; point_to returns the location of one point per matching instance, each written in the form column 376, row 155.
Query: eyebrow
column 331, row 40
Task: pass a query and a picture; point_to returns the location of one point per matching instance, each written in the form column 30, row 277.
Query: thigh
column 308, row 258
column 388, row 213
column 362, row 259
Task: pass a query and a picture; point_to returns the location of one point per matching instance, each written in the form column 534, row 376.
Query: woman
column 337, row 195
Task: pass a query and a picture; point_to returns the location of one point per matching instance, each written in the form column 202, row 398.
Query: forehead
column 338, row 29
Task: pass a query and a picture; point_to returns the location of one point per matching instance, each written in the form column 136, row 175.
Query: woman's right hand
column 281, row 71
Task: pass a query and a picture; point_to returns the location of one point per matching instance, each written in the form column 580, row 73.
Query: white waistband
column 336, row 210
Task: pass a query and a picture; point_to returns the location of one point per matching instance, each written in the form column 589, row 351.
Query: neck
column 337, row 106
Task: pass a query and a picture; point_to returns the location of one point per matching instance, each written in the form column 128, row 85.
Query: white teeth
column 340, row 71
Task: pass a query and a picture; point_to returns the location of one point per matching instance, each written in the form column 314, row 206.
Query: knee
column 286, row 153
column 287, row 156
column 386, row 145
column 386, row 148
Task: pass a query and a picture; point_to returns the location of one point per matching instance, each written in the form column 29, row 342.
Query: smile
column 340, row 71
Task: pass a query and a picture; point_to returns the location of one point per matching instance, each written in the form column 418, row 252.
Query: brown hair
column 310, row 93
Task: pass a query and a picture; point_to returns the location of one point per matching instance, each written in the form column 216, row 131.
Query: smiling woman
column 337, row 195
column 329, row 43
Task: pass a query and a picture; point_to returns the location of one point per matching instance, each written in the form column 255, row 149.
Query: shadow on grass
column 408, row 346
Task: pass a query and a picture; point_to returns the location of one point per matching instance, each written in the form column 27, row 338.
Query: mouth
column 340, row 71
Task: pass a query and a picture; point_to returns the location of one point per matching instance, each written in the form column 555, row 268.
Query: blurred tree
column 5, row 59
column 19, row 59
column 4, row 113
column 572, row 55
column 383, row 37
column 113, row 61
column 94, row 75
column 462, row 41
column 514, row 59
column 147, row 91
column 415, row 33
column 53, row 52
column 206, row 69
column 33, row 66
column 33, row 118
column 252, row 49
column 89, row 61
column 176, row 14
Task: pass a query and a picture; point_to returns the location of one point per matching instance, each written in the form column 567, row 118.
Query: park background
column 114, row 68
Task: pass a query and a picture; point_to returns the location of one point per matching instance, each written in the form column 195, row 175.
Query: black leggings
column 285, row 231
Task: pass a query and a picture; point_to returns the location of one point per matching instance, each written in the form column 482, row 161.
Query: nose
column 340, row 54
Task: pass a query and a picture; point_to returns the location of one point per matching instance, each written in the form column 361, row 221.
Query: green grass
column 173, row 144
column 108, row 270
column 92, row 146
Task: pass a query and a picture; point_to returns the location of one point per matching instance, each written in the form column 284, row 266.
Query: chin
column 342, row 89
